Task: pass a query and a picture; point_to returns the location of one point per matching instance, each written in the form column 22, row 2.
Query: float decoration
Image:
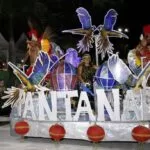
column 22, row 128
column 43, row 103
column 141, row 134
column 32, row 82
column 57, row 132
column 105, row 31
column 72, row 57
column 87, row 30
column 43, row 66
column 46, row 46
column 104, row 77
column 63, row 77
column 95, row 133
column 118, row 69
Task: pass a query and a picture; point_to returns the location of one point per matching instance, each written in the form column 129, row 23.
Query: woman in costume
column 86, row 71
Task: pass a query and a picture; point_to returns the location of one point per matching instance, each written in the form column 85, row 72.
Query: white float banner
column 47, row 109
column 103, row 102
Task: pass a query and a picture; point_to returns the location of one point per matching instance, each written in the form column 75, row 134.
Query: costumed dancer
column 33, row 44
column 86, row 71
column 140, row 56
column 39, row 41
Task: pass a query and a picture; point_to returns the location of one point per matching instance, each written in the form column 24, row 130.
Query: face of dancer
column 87, row 60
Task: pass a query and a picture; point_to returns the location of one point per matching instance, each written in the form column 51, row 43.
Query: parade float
column 121, row 99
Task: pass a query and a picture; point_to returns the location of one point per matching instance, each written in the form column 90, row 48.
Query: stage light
column 22, row 60
column 126, row 30
column 120, row 29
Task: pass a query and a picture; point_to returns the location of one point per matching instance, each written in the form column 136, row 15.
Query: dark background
column 60, row 15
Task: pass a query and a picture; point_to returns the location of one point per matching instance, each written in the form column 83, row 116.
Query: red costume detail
column 29, row 70
column 146, row 29
column 35, row 33
column 144, row 53
column 32, row 32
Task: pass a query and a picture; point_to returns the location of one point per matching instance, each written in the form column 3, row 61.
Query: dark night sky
column 62, row 16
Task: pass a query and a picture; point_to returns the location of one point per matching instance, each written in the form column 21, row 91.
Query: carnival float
column 62, row 108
